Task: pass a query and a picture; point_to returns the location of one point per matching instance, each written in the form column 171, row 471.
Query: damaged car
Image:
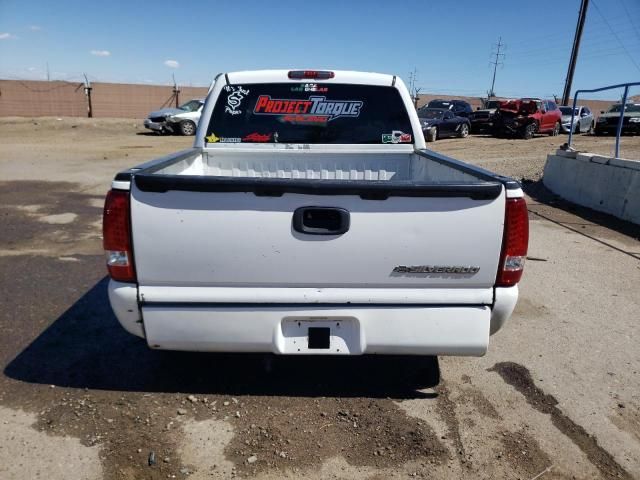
column 526, row 117
column 482, row 118
column 607, row 123
column 182, row 120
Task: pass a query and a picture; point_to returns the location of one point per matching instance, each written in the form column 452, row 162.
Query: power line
column 557, row 37
column 635, row 27
column 616, row 35
column 589, row 39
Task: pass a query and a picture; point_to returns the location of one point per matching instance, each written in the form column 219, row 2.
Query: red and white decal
column 257, row 137
column 299, row 110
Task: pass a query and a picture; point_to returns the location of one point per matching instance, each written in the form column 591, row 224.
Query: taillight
column 515, row 242
column 116, row 233
column 311, row 74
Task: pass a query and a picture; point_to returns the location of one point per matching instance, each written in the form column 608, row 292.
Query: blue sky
column 449, row 43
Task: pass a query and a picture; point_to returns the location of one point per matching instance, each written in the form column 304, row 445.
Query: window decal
column 234, row 99
column 313, row 107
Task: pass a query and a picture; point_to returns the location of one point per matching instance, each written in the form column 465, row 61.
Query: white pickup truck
column 308, row 218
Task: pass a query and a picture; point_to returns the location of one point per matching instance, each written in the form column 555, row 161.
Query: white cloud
column 35, row 28
column 101, row 53
column 7, row 36
column 171, row 63
column 32, row 69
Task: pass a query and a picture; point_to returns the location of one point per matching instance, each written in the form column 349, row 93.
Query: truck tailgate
column 198, row 241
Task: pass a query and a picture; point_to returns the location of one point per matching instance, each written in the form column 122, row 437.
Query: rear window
column 567, row 110
column 439, row 104
column 309, row 113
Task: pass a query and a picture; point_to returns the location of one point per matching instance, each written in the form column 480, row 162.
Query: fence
column 620, row 119
column 32, row 98
column 29, row 98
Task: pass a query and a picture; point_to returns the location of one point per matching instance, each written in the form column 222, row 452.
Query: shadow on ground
column 538, row 192
column 86, row 348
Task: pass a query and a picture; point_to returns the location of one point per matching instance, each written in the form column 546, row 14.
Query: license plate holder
column 321, row 335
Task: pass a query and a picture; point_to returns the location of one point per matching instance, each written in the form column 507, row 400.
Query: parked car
column 607, row 123
column 183, row 120
column 482, row 118
column 438, row 123
column 459, row 107
column 525, row 117
column 296, row 245
column 583, row 121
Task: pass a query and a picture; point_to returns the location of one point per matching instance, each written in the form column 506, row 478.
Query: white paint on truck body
column 226, row 270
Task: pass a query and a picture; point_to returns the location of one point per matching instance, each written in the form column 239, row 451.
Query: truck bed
column 418, row 173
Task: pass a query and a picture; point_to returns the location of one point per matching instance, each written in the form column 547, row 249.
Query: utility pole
column 48, row 77
column 413, row 91
column 87, row 92
column 495, row 64
column 574, row 51
column 176, row 91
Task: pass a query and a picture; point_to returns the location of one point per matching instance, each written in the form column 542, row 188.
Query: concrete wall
column 610, row 185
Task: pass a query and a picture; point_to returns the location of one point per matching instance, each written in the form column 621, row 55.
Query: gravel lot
column 556, row 397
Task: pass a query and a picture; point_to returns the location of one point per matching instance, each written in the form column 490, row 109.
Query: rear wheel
column 432, row 134
column 187, row 128
column 529, row 131
column 592, row 128
column 464, row 131
column 556, row 130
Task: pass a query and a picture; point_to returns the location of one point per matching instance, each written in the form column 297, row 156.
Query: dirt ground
column 556, row 397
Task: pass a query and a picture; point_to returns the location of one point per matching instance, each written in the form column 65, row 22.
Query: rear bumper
column 481, row 123
column 275, row 328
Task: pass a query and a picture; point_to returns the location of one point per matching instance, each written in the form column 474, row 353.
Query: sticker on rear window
column 310, row 87
column 257, row 137
column 234, row 99
column 319, row 107
column 396, row 137
column 215, row 139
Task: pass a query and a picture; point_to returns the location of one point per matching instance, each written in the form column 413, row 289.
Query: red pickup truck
column 525, row 117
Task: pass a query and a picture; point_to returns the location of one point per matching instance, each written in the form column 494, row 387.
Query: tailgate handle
column 321, row 220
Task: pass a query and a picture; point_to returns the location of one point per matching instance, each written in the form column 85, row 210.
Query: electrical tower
column 413, row 90
column 413, row 76
column 498, row 61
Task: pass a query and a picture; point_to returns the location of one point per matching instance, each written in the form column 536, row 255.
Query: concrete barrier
column 606, row 184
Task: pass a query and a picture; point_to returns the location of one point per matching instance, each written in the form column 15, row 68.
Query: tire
column 187, row 128
column 432, row 134
column 592, row 129
column 556, row 130
column 464, row 130
column 576, row 130
column 529, row 131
